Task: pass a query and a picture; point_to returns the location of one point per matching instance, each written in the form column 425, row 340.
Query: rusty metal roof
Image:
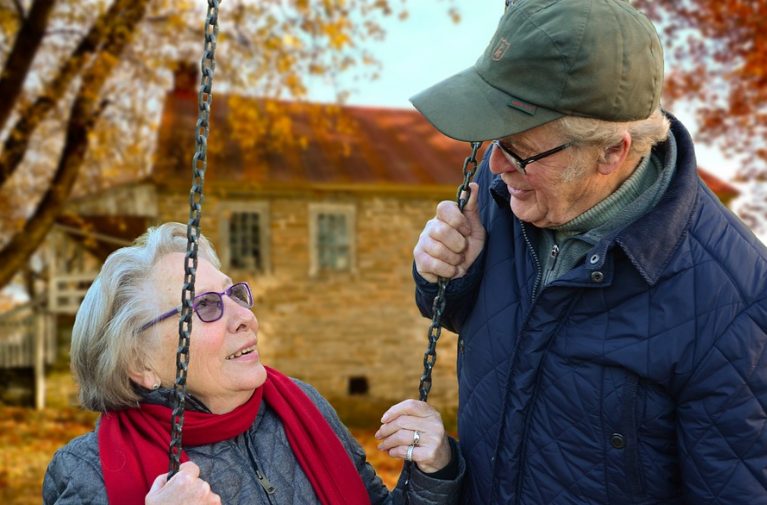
column 376, row 147
column 379, row 148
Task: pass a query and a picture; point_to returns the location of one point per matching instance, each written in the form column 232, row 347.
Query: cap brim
column 465, row 107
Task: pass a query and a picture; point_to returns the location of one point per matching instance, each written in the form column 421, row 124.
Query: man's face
column 555, row 189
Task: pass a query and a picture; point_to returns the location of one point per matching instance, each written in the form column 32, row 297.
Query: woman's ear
column 146, row 378
column 614, row 156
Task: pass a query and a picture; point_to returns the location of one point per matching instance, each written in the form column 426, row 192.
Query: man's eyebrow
column 519, row 143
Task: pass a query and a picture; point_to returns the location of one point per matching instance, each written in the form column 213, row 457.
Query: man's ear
column 614, row 156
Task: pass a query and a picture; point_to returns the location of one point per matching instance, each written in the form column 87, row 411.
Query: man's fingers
column 440, row 251
column 471, row 210
column 449, row 213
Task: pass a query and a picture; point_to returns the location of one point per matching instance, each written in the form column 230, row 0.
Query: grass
column 28, row 439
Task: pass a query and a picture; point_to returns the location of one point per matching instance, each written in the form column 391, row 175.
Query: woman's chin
column 260, row 377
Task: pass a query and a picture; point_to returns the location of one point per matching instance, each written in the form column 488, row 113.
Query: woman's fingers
column 185, row 487
column 397, row 435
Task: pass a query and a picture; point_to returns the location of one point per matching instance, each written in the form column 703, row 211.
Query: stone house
column 323, row 232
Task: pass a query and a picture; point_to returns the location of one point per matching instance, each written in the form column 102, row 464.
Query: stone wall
column 339, row 329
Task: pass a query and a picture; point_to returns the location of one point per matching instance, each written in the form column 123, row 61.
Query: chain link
column 199, row 165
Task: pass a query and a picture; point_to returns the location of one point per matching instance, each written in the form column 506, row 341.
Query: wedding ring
column 409, row 453
column 416, row 437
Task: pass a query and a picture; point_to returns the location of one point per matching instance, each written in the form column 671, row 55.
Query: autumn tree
column 82, row 82
column 717, row 61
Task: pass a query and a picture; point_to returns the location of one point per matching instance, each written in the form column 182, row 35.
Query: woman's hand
column 185, row 487
column 399, row 425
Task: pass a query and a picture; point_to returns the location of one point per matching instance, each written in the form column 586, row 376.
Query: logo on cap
column 500, row 49
column 518, row 104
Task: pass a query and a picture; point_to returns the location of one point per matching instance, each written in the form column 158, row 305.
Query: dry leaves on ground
column 28, row 439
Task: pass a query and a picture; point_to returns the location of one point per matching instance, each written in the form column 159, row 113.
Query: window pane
column 245, row 241
column 333, row 251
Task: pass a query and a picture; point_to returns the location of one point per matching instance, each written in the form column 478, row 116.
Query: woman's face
column 224, row 365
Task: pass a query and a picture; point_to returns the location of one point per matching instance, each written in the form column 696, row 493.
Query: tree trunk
column 23, row 52
column 83, row 115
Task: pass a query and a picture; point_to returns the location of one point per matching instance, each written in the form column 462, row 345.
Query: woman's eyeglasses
column 520, row 163
column 209, row 306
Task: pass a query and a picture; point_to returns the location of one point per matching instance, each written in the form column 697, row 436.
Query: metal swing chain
column 438, row 307
column 199, row 165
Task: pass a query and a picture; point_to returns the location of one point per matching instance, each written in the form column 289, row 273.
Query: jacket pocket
column 630, row 427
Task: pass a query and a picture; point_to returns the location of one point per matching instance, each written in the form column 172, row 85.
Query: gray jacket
column 74, row 475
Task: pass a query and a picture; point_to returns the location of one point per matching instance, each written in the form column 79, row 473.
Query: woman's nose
column 241, row 315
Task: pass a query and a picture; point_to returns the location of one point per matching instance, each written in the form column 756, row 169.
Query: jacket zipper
column 538, row 268
column 533, row 401
column 265, row 484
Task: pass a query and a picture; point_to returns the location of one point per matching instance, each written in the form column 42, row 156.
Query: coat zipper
column 268, row 487
column 538, row 268
column 534, row 400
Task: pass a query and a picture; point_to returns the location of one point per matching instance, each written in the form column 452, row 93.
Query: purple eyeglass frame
column 227, row 292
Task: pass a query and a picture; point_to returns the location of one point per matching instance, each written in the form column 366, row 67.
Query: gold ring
column 416, row 437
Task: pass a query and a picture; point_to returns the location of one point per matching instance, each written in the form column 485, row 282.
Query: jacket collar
column 664, row 226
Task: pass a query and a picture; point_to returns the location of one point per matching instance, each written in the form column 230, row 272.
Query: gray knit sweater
column 74, row 475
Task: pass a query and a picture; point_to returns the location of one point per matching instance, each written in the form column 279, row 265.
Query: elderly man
column 612, row 313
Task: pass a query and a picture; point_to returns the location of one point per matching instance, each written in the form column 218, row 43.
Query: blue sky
column 428, row 47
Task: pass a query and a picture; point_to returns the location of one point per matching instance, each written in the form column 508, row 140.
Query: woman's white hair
column 106, row 339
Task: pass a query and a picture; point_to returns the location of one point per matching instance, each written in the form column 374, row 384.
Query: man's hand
column 451, row 241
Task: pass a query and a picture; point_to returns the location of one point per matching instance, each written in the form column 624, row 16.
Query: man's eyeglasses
column 209, row 306
column 520, row 163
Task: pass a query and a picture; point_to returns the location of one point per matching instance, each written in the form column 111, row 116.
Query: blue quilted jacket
column 639, row 377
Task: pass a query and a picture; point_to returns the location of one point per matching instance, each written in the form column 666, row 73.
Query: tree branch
column 83, row 115
column 24, row 48
column 19, row 8
column 32, row 115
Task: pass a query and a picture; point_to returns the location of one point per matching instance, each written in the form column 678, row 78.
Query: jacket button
column 617, row 441
column 597, row 276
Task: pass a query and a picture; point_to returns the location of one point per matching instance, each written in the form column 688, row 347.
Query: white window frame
column 226, row 209
column 347, row 210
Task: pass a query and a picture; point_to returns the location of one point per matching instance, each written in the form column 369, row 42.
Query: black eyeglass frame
column 521, row 163
column 228, row 292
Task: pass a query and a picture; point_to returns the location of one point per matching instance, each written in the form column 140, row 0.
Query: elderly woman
column 251, row 435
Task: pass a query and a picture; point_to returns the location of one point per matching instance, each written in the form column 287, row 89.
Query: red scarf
column 133, row 443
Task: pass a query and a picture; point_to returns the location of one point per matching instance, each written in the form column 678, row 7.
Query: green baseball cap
column 549, row 58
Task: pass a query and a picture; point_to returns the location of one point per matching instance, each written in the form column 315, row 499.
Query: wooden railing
column 25, row 331
column 66, row 292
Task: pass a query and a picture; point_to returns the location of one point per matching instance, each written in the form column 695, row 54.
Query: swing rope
column 199, row 165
